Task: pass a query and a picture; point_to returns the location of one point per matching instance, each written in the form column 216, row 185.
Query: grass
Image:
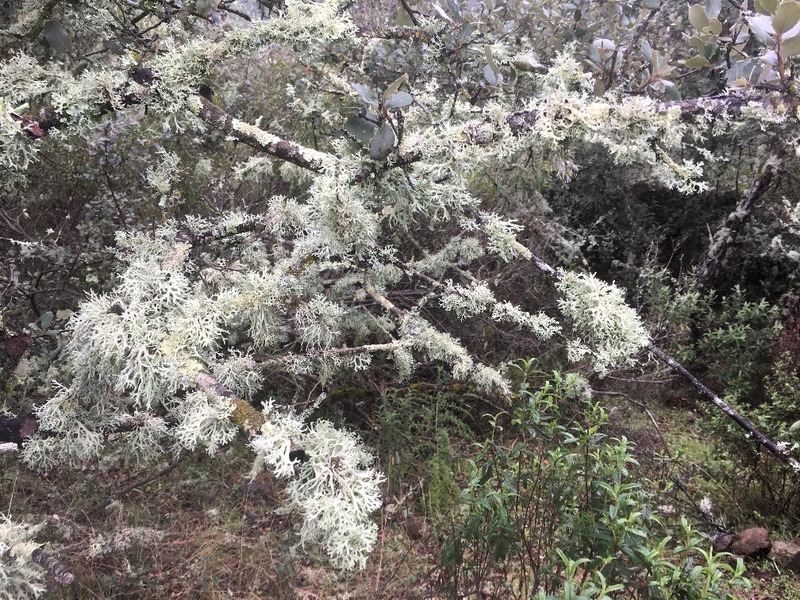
column 202, row 530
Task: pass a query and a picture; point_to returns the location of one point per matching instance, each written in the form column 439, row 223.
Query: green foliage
column 551, row 510
column 417, row 443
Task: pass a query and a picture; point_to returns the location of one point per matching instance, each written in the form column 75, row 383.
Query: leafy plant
column 552, row 511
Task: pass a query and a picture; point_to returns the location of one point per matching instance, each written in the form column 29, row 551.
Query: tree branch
column 708, row 108
column 713, row 260
column 726, row 408
column 259, row 139
column 741, row 421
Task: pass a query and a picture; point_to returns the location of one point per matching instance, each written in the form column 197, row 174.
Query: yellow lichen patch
column 246, row 416
column 263, row 138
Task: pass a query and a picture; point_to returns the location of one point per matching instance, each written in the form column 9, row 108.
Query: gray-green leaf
column 395, row 86
column 57, row 37
column 359, row 128
column 786, row 16
column 365, row 93
column 382, row 142
column 399, row 100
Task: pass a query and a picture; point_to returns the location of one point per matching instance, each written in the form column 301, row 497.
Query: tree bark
column 713, row 262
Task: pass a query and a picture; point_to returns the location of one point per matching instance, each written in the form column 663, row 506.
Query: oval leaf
column 671, row 91
column 786, row 16
column 365, row 93
column 697, row 17
column 697, row 62
column 57, row 37
column 790, row 46
column 359, row 128
column 382, row 142
column 647, row 50
column 399, row 100
column 766, row 7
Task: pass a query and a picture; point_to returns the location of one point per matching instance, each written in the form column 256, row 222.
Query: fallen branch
column 776, row 449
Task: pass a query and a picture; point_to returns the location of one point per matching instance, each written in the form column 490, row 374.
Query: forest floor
column 202, row 529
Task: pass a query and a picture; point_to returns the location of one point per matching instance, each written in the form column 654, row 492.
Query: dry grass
column 220, row 536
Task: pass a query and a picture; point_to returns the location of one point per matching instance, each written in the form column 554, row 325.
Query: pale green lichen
column 607, row 328
column 20, row 577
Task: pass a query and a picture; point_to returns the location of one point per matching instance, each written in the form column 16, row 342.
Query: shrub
column 551, row 510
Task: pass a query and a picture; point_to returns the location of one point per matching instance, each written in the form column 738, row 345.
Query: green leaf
column 786, row 16
column 697, row 17
column 715, row 26
column 790, row 46
column 670, row 90
column 599, row 87
column 403, row 18
column 395, row 86
column 359, row 128
column 487, row 51
column 365, row 93
column 766, row 7
column 382, row 142
column 646, row 50
column 697, row 41
column 399, row 100
column 57, row 37
column 697, row 62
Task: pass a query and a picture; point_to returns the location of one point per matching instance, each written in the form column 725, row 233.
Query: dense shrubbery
column 552, row 510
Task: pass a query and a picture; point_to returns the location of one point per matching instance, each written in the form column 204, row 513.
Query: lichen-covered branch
column 776, row 449
column 259, row 139
column 713, row 261
column 733, row 106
